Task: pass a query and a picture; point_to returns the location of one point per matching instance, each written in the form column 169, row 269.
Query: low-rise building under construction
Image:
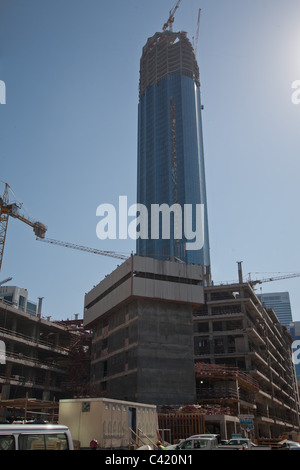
column 243, row 359
column 161, row 336
column 39, row 359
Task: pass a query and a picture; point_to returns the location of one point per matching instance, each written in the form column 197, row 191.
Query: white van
column 35, row 437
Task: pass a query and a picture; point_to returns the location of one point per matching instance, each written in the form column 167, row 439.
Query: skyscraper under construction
column 170, row 149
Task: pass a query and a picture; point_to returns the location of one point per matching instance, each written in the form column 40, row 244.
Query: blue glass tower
column 170, row 146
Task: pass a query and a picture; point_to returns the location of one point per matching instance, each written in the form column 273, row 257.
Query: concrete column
column 5, row 391
column 46, row 391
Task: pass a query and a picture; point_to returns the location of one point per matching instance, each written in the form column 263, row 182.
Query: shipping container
column 109, row 422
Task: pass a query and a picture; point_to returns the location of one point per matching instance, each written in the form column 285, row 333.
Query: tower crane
column 112, row 254
column 170, row 20
column 274, row 278
column 5, row 281
column 12, row 209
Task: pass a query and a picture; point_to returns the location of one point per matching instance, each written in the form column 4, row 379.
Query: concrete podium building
column 142, row 318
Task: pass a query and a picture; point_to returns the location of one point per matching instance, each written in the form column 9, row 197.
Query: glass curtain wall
column 170, row 151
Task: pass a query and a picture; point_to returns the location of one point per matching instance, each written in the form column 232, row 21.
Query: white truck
column 242, row 443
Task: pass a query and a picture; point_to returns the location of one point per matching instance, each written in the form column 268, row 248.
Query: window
column 104, row 368
column 200, row 444
column 21, row 302
column 43, row 442
column 85, row 406
column 186, row 445
column 7, row 443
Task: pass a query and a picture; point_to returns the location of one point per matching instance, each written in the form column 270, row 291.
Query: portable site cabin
column 108, row 421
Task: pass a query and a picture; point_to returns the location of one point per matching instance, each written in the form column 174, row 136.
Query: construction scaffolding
column 30, row 409
column 222, row 372
column 181, row 425
column 167, row 53
column 78, row 368
column 221, row 389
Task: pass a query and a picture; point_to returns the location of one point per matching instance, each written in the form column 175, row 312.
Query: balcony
column 9, row 335
column 33, row 362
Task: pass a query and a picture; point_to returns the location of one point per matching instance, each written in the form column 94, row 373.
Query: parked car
column 289, row 445
column 242, row 444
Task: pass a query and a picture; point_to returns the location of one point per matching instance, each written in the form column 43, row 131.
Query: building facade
column 170, row 149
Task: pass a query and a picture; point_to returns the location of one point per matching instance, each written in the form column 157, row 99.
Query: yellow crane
column 12, row 209
column 170, row 20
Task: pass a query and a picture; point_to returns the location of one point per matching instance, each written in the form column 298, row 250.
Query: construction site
column 156, row 336
column 156, row 332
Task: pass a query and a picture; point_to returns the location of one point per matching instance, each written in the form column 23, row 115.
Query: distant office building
column 280, row 303
column 18, row 298
column 170, row 145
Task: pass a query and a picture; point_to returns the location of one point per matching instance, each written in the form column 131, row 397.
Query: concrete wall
column 165, row 356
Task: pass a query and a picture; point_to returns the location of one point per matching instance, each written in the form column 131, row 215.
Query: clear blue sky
column 68, row 134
